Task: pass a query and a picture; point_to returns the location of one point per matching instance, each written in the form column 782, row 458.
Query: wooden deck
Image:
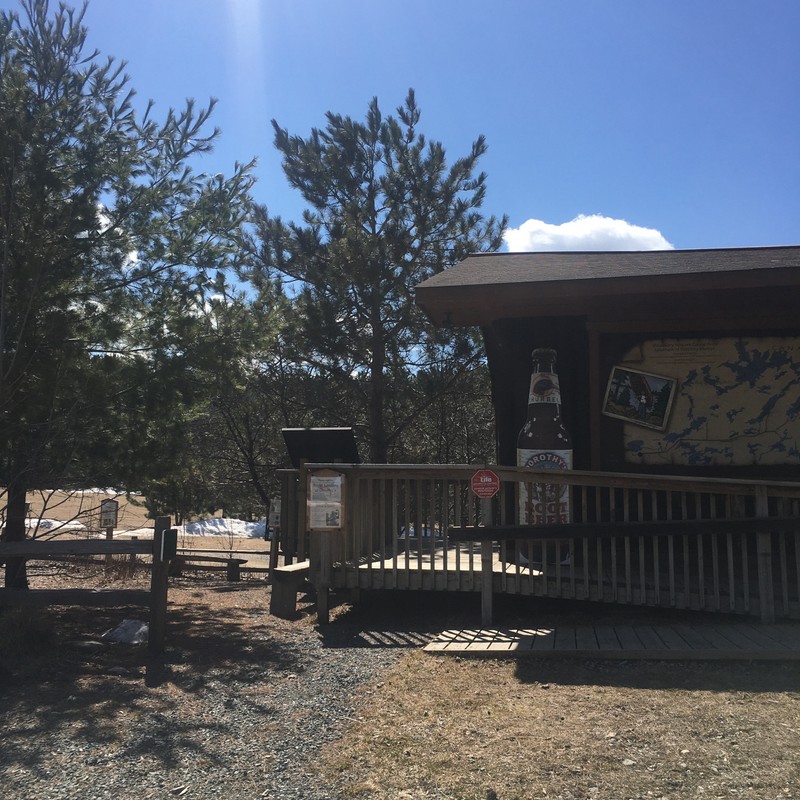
column 730, row 641
column 672, row 542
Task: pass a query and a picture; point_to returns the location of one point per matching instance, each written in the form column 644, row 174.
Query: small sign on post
column 108, row 513
column 169, row 544
column 485, row 484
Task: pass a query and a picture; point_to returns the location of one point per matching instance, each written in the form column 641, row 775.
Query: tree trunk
column 16, row 574
column 379, row 448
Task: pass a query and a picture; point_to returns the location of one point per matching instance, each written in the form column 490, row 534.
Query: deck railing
column 713, row 544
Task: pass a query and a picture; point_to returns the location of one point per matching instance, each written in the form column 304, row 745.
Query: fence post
column 766, row 589
column 158, row 590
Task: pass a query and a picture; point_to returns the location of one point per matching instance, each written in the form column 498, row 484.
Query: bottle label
column 544, row 388
column 544, row 503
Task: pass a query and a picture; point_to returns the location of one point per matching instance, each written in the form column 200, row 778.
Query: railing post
column 158, row 590
column 486, row 567
column 766, row 589
column 301, row 522
column 486, row 581
column 280, row 533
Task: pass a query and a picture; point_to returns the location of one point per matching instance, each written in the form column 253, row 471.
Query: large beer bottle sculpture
column 544, row 443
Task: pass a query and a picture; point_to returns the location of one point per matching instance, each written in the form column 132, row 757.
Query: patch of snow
column 140, row 533
column 53, row 524
column 95, row 490
column 235, row 528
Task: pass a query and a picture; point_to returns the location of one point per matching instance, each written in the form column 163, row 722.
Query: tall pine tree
column 110, row 241
column 385, row 212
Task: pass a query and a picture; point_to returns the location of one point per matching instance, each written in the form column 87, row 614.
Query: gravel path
column 239, row 707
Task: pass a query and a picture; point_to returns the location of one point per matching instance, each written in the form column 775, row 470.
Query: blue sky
column 678, row 117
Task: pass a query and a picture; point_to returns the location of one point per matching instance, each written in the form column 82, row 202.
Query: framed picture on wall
column 638, row 397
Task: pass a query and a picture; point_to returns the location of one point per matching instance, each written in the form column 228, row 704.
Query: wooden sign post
column 325, row 514
column 485, row 484
column 109, row 510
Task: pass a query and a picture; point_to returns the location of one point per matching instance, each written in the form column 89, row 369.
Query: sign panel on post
column 325, row 500
column 485, row 484
column 108, row 513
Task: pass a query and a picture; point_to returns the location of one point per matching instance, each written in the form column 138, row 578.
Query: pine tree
column 385, row 213
column 110, row 241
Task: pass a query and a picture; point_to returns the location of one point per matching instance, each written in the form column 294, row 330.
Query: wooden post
column 323, row 586
column 486, row 566
column 595, row 398
column 233, row 570
column 108, row 520
column 766, row 589
column 319, row 572
column 109, row 538
column 283, row 525
column 486, row 582
column 298, row 550
column 158, row 590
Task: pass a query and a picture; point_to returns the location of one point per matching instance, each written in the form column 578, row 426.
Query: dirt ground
column 467, row 729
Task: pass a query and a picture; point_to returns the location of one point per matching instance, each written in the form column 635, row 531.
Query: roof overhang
column 487, row 287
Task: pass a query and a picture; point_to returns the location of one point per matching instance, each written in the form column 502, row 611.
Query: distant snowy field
column 55, row 511
column 231, row 528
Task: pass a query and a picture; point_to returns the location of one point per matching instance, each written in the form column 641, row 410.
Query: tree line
column 158, row 327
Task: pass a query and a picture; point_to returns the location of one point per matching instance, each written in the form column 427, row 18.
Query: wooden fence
column 712, row 545
column 155, row 598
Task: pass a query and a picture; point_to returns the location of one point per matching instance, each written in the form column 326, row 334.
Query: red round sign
column 485, row 483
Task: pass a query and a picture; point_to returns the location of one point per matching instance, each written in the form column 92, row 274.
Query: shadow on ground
column 412, row 619
column 77, row 692
column 201, row 638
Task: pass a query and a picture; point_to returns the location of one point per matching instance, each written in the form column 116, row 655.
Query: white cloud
column 585, row 232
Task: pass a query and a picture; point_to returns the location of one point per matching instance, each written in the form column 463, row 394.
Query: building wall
column 730, row 363
column 734, row 405
column 509, row 346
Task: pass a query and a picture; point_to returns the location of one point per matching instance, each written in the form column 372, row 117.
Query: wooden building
column 680, row 379
column 715, row 333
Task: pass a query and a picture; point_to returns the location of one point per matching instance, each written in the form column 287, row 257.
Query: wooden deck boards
column 730, row 641
column 449, row 560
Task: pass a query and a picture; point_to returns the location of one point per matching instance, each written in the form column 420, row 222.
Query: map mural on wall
column 737, row 402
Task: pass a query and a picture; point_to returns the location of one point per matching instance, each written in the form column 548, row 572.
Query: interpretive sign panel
column 325, row 500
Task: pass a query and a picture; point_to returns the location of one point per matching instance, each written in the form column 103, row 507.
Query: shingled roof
column 483, row 284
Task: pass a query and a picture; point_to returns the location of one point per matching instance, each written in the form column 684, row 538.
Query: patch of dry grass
column 443, row 727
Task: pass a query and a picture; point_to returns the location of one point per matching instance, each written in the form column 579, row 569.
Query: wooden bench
column 286, row 583
column 190, row 560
